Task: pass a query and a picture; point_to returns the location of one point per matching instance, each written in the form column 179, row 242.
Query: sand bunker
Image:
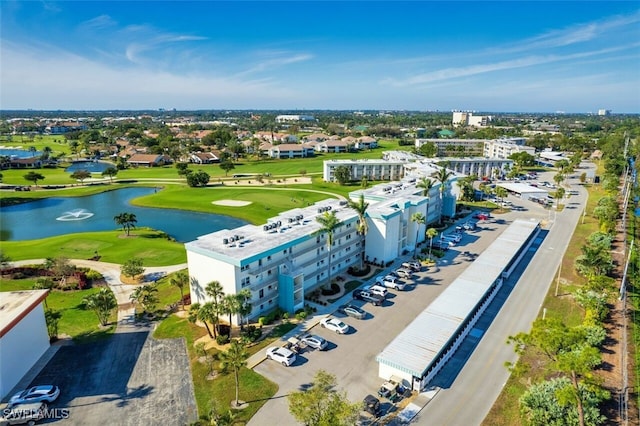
column 231, row 203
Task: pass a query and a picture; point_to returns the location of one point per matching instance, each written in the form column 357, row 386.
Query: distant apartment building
column 365, row 168
column 465, row 118
column 505, row 147
column 282, row 261
column 603, row 112
column 288, row 118
column 451, row 147
column 60, row 128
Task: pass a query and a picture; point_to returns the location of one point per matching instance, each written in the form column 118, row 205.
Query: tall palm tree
column 230, row 305
column 420, row 220
column 208, row 314
column 126, row 220
column 235, row 358
column 244, row 299
column 216, row 293
column 426, row 184
column 442, row 176
column 180, row 280
column 329, row 222
column 431, row 232
column 360, row 208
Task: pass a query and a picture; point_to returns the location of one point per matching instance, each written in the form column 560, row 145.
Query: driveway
column 127, row 379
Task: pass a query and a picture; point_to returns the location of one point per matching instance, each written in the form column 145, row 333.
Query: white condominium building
column 284, row 259
column 369, row 169
column 503, row 148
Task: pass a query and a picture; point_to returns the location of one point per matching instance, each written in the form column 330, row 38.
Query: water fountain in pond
column 78, row 214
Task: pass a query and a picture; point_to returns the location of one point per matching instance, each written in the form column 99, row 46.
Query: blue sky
column 543, row 56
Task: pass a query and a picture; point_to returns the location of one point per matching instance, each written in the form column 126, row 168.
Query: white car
column 404, row 273
column 414, row 265
column 315, row 342
column 282, row 355
column 44, row 393
column 334, row 324
column 391, row 282
column 378, row 289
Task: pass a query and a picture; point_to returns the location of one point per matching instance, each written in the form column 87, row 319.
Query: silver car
column 314, row 341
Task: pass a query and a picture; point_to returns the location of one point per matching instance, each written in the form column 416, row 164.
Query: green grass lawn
column 254, row 388
column 80, row 324
column 112, row 246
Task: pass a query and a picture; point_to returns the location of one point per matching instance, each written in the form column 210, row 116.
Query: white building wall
column 203, row 270
column 21, row 348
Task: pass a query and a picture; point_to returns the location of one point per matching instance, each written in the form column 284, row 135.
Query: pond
column 58, row 216
column 19, row 153
column 90, row 166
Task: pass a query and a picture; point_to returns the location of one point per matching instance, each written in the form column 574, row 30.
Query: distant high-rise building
column 604, row 112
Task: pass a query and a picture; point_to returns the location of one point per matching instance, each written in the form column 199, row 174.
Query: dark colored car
column 368, row 297
column 372, row 405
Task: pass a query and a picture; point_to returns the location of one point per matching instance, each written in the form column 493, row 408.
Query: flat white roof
column 420, row 343
column 522, row 188
column 15, row 305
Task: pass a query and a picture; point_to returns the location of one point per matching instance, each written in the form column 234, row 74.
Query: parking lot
column 351, row 357
column 127, row 379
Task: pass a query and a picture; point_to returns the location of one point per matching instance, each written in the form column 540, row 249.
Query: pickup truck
column 368, row 297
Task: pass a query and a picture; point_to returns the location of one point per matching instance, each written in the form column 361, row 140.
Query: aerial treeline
column 571, row 392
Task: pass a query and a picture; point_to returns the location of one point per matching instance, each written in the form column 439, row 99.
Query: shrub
column 262, row 321
column 301, row 316
column 92, row 275
column 222, row 339
column 335, row 289
column 251, row 333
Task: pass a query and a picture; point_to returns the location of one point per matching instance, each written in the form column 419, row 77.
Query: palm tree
column 208, row 314
column 559, row 195
column 126, row 220
column 420, row 220
column 329, row 222
column 244, row 300
column 360, row 208
column 431, row 232
column 425, row 184
column 501, row 192
column 235, row 358
column 230, row 305
column 215, row 291
column 442, row 176
column 180, row 279
column 558, row 178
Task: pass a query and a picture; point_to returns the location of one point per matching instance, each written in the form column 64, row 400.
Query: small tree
column 197, row 179
column 227, row 166
column 52, row 318
column 34, row 177
column 342, row 174
column 180, row 280
column 234, row 358
column 146, row 296
column 321, row 404
column 420, row 220
column 183, row 168
column 102, row 303
column 80, row 175
column 132, row 267
column 111, row 172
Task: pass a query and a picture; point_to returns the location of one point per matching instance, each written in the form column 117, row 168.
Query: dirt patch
column 231, row 203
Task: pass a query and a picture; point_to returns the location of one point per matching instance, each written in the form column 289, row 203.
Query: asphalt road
column 468, row 399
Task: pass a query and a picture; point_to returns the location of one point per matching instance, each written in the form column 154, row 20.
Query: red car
column 482, row 216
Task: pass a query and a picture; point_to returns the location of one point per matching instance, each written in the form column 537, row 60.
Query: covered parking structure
column 418, row 353
column 524, row 190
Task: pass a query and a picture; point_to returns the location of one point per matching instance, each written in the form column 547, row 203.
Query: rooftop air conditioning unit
column 225, row 241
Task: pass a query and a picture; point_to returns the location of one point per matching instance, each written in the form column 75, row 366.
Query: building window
column 261, row 293
column 259, row 262
column 268, row 257
column 269, row 272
